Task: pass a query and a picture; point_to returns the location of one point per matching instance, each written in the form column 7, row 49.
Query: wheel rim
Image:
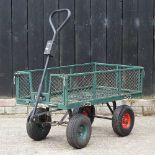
column 86, row 111
column 126, row 121
column 82, row 131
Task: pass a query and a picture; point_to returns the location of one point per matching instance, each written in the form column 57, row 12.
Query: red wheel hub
column 126, row 121
column 86, row 111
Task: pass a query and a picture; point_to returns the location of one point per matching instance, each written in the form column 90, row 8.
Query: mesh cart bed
column 80, row 84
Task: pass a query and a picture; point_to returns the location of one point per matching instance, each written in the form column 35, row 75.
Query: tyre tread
column 71, row 130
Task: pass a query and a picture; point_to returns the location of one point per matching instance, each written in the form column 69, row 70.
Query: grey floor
column 14, row 139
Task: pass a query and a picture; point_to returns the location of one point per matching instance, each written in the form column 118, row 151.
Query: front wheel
column 40, row 129
column 78, row 131
column 123, row 120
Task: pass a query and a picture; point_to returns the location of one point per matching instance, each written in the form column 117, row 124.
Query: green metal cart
column 77, row 89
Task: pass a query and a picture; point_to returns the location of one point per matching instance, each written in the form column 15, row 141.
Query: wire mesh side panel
column 24, row 86
column 37, row 75
column 56, row 90
column 106, row 84
column 36, row 78
column 80, row 88
column 131, row 81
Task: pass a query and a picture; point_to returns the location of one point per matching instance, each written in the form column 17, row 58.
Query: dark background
column 112, row 31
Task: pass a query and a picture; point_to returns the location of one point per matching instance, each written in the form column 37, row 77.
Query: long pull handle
column 47, row 51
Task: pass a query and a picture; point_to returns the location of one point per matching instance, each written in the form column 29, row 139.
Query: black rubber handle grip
column 55, row 30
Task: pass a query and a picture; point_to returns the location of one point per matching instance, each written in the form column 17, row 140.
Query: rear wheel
column 88, row 111
column 123, row 120
column 78, row 131
column 40, row 129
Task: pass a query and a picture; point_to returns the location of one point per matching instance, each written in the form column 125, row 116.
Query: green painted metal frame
column 64, row 105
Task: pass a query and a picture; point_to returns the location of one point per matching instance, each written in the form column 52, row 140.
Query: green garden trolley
column 77, row 89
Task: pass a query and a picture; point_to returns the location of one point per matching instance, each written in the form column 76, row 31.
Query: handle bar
column 55, row 30
column 48, row 51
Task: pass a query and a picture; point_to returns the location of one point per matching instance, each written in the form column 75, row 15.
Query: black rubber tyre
column 123, row 120
column 88, row 111
column 38, row 131
column 78, row 131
